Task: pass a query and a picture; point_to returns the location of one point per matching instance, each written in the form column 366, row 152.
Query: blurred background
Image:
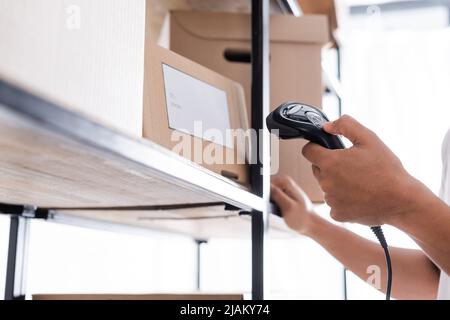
column 395, row 79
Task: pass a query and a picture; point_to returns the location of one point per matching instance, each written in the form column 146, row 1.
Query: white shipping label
column 196, row 107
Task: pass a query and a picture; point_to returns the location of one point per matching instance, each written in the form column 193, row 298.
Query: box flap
column 232, row 26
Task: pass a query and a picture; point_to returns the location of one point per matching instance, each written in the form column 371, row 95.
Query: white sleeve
column 444, row 283
column 445, row 185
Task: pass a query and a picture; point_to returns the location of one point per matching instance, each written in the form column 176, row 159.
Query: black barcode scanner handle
column 295, row 120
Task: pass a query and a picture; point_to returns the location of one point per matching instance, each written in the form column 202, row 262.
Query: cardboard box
column 222, row 42
column 187, row 107
column 326, row 7
column 160, row 8
column 137, row 297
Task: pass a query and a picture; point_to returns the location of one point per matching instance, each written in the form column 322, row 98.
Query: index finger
column 314, row 153
column 280, row 198
column 288, row 186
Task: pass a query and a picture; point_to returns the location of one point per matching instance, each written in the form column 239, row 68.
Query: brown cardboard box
column 137, row 297
column 161, row 7
column 177, row 92
column 326, row 7
column 221, row 42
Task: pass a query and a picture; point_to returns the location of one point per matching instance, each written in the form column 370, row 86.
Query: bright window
column 396, row 75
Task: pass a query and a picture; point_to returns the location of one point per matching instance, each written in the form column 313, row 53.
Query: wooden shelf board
column 52, row 157
column 49, row 170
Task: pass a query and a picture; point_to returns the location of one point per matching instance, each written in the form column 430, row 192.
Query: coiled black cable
column 380, row 236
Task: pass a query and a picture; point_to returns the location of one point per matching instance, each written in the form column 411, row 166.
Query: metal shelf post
column 260, row 109
column 199, row 244
column 16, row 270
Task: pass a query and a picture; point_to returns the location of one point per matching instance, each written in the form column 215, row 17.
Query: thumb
column 349, row 128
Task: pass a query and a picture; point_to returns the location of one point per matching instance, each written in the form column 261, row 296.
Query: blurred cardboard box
column 161, row 7
column 326, row 7
column 222, row 42
column 137, row 297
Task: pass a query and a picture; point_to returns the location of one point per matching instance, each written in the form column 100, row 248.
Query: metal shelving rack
column 49, row 121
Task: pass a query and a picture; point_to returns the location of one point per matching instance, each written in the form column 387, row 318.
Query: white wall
column 396, row 75
column 67, row 259
column 86, row 54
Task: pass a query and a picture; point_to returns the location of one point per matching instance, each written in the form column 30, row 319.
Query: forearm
column 415, row 276
column 428, row 223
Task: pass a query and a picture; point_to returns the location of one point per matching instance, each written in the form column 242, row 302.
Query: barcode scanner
column 293, row 120
column 298, row 120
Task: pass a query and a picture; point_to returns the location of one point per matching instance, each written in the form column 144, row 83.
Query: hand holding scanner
column 293, row 120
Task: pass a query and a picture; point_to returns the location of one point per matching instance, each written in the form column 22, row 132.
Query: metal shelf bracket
column 16, row 268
